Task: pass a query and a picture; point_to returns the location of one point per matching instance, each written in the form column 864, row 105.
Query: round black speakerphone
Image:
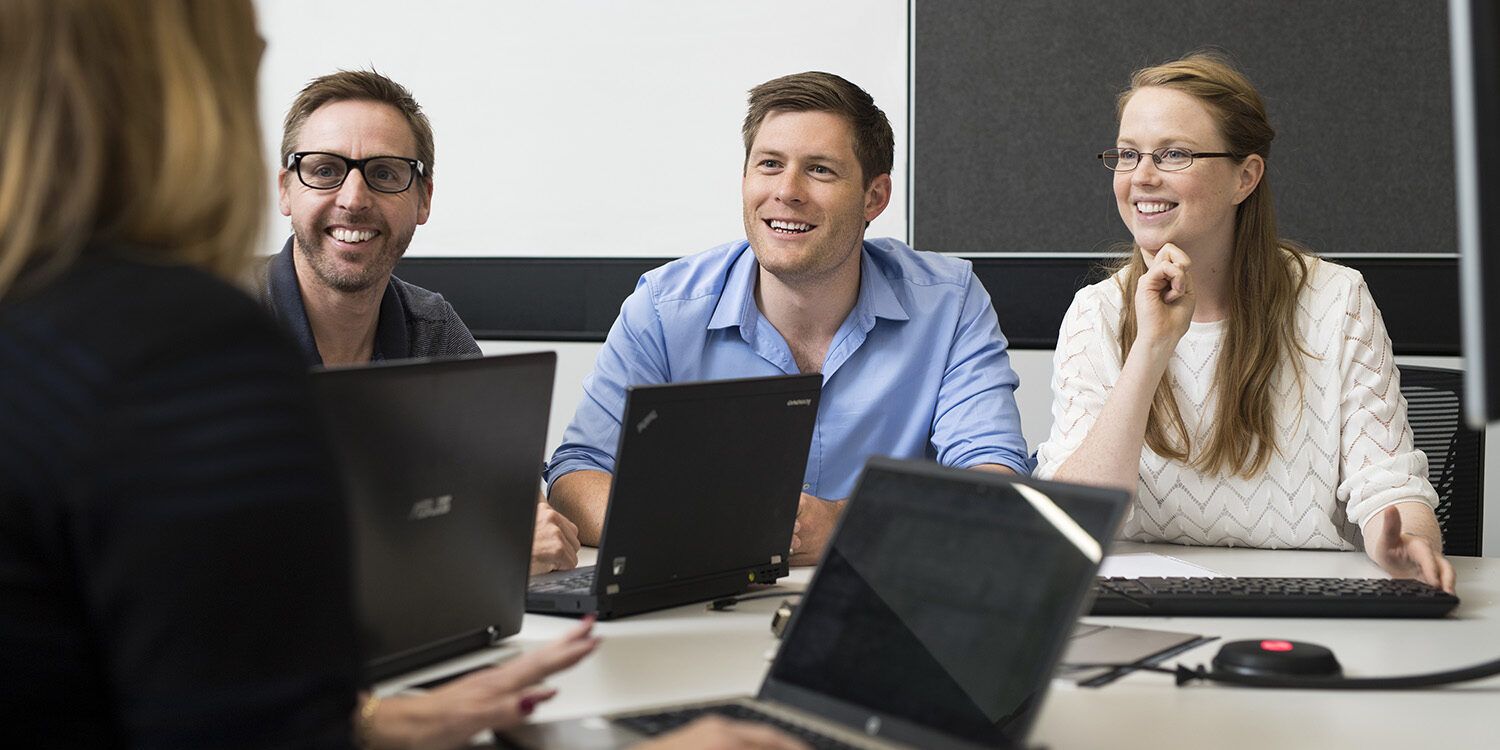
column 1274, row 658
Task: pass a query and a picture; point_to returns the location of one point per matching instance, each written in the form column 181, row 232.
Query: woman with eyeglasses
column 1241, row 387
column 174, row 552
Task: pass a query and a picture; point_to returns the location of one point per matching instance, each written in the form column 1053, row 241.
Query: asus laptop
column 707, row 480
column 944, row 602
column 440, row 460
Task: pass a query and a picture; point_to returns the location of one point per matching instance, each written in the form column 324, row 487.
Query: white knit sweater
column 1344, row 446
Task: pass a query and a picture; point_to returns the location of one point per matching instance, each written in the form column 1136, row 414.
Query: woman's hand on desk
column 716, row 733
column 500, row 697
column 1407, row 547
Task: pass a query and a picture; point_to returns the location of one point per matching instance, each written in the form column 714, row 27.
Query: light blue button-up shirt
column 918, row 368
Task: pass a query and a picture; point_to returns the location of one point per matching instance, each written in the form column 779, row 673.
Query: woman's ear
column 1251, row 170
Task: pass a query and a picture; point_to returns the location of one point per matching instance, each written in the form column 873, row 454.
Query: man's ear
column 424, row 209
column 283, row 194
column 877, row 196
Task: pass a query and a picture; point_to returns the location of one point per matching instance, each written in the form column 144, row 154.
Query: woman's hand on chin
column 1164, row 298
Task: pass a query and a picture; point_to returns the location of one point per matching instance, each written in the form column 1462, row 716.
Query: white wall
column 585, row 127
column 1034, row 399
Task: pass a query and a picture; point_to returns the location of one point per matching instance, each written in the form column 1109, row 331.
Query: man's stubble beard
column 377, row 271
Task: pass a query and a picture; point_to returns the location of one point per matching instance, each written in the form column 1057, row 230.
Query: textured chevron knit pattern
column 1345, row 448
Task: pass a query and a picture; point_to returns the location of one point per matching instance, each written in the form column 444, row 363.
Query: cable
column 1403, row 682
column 728, row 602
column 1140, row 666
column 1185, row 675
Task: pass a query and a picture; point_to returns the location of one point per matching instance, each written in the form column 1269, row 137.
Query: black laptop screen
column 945, row 603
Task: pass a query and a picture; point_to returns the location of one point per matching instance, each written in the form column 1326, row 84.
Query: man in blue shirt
column 913, row 361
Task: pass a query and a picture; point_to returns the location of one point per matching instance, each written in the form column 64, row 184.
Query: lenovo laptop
column 440, row 460
column 707, row 480
column 944, row 602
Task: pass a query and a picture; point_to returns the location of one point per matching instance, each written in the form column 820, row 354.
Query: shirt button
column 807, row 485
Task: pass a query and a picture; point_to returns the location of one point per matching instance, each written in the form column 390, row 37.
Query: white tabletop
column 689, row 653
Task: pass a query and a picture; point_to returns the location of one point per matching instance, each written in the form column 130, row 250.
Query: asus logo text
column 430, row 507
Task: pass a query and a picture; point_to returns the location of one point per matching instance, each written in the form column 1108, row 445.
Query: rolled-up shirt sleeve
column 634, row 353
column 976, row 420
column 1380, row 466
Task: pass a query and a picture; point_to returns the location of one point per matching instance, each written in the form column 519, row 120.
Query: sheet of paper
column 1151, row 565
column 1103, row 644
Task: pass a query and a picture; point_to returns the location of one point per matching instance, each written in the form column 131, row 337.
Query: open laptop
column 707, row 480
column 935, row 620
column 440, row 460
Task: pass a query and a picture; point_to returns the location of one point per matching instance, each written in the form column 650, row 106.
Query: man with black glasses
column 356, row 180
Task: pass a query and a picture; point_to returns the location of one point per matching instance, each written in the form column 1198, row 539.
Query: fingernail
column 528, row 704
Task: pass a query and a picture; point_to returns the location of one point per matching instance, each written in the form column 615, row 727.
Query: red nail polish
column 528, row 704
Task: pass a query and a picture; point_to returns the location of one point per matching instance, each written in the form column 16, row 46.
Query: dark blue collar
column 285, row 294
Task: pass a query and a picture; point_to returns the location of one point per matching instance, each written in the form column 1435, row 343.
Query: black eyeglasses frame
column 294, row 164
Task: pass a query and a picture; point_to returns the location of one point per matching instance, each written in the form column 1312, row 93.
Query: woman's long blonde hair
column 129, row 123
column 1268, row 275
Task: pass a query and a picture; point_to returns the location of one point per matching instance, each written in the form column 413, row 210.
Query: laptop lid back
column 943, row 604
column 441, row 463
column 707, row 479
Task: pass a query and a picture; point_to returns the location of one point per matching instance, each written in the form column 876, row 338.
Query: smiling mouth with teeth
column 788, row 227
column 1154, row 207
column 351, row 235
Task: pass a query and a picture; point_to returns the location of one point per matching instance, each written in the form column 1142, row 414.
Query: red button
column 1276, row 645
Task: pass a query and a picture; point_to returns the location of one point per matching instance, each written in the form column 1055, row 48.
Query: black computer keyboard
column 1270, row 597
column 666, row 721
column 579, row 581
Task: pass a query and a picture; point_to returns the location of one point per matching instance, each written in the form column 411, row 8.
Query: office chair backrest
column 1455, row 453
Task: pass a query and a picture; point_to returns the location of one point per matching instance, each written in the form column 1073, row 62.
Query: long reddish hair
column 1269, row 274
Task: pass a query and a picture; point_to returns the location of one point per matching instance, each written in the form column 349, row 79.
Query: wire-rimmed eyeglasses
column 1168, row 159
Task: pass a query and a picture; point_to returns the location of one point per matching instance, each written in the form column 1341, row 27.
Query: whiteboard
column 585, row 128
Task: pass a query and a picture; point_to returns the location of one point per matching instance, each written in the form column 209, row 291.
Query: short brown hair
column 874, row 144
column 358, row 85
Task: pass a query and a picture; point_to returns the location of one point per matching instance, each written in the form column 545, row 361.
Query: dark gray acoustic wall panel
column 1014, row 97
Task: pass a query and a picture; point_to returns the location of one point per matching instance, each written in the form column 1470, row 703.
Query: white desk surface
column 689, row 653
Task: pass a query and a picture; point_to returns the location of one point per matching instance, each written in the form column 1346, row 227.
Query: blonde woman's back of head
column 129, row 123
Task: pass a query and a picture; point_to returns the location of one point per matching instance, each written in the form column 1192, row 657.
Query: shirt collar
column 390, row 330
column 285, row 291
column 877, row 298
column 737, row 303
column 286, row 300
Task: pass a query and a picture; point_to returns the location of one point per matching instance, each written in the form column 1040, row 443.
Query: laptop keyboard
column 666, row 721
column 578, row 582
column 1270, row 597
